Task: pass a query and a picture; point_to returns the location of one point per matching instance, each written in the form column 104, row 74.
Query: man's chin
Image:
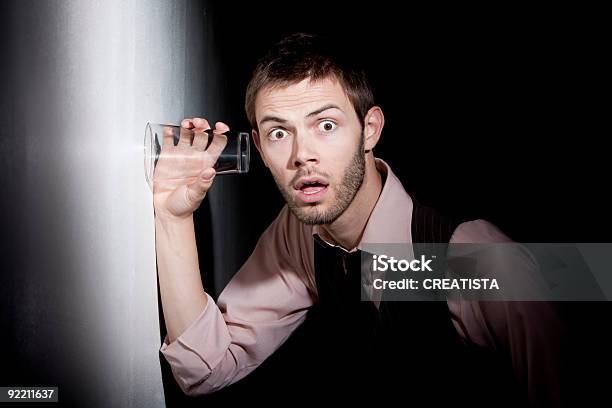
column 313, row 214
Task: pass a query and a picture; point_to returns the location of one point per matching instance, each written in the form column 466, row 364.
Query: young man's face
column 311, row 140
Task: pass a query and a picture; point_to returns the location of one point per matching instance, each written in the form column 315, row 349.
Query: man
column 315, row 126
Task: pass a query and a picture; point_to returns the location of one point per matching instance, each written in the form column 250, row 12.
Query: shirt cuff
column 199, row 349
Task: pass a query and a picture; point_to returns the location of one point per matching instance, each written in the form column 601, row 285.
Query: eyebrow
column 314, row 113
column 272, row 119
column 323, row 109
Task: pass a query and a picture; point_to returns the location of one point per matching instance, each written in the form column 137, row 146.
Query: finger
column 186, row 134
column 217, row 145
column 201, row 123
column 195, row 192
column 185, row 138
column 200, row 140
column 168, row 136
column 221, row 127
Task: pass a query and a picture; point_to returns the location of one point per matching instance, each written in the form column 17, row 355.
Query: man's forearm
column 182, row 292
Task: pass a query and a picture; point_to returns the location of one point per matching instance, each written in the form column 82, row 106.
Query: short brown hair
column 300, row 56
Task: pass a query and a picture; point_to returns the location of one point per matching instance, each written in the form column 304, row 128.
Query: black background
column 496, row 114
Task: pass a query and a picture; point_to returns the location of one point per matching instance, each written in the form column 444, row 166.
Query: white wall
column 81, row 79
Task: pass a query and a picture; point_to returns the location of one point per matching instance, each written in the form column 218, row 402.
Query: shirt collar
column 389, row 222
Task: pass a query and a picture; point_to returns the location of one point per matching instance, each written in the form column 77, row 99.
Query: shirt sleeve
column 257, row 311
column 530, row 333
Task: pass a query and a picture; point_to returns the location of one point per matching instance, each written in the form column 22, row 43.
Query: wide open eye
column 277, row 134
column 327, row 126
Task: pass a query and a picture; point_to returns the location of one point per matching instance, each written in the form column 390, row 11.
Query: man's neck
column 347, row 230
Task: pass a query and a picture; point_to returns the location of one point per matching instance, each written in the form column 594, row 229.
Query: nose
column 304, row 150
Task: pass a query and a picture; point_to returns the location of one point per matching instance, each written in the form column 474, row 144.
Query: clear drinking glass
column 234, row 158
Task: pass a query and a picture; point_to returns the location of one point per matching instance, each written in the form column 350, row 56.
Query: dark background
column 490, row 113
column 497, row 116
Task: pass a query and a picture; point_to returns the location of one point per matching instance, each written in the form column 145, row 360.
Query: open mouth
column 311, row 189
column 310, row 185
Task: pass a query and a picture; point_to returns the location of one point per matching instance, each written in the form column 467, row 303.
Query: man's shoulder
column 286, row 219
column 478, row 231
column 288, row 228
column 291, row 240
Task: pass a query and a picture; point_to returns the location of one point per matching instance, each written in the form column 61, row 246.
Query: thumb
column 197, row 190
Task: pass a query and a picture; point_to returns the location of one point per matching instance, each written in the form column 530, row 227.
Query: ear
column 373, row 125
column 257, row 142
